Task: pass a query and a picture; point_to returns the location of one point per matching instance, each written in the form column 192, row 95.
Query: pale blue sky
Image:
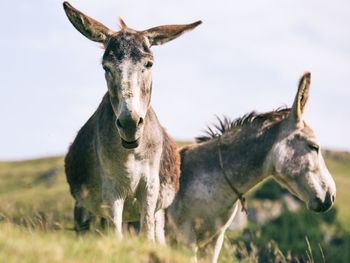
column 247, row 55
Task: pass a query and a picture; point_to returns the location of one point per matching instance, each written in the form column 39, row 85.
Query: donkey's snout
column 323, row 206
column 126, row 123
column 129, row 121
column 129, row 126
column 328, row 202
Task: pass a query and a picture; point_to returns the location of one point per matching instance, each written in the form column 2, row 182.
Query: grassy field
column 23, row 244
column 340, row 169
column 36, row 222
column 36, row 219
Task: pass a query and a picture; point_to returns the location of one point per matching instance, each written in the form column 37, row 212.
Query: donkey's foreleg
column 117, row 216
column 212, row 249
column 113, row 215
column 159, row 221
column 150, row 197
column 113, row 204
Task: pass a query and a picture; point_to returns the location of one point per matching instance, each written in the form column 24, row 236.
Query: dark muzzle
column 325, row 205
column 129, row 126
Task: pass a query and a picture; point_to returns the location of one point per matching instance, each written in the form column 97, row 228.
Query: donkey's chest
column 125, row 175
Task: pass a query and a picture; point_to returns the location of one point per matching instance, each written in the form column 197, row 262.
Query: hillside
column 36, row 218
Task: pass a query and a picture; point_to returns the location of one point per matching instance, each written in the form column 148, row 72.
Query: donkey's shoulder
column 80, row 161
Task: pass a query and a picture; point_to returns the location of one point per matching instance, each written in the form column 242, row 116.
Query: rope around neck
column 234, row 189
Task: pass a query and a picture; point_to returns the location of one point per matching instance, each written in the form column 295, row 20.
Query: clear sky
column 247, row 55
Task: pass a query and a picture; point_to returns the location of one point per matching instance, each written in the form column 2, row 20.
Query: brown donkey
column 221, row 167
column 122, row 165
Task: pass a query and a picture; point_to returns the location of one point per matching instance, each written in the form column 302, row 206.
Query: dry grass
column 36, row 211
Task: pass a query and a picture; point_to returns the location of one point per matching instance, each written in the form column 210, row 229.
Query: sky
column 247, row 55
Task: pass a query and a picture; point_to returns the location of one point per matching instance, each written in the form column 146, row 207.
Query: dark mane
column 225, row 124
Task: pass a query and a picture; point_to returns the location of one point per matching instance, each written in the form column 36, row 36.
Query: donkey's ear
column 301, row 97
column 162, row 34
column 89, row 27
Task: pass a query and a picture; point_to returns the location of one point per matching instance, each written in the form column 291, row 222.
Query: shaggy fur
column 225, row 124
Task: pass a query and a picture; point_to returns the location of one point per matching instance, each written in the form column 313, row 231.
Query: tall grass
column 23, row 244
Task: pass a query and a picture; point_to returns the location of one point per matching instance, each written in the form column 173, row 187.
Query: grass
column 36, row 221
column 36, row 215
column 340, row 171
column 22, row 244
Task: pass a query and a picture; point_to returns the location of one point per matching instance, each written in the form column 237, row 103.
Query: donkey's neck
column 245, row 154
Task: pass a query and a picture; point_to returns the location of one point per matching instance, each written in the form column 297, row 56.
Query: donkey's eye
column 149, row 64
column 314, row 147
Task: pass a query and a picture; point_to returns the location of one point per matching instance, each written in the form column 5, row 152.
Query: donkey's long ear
column 89, row 27
column 301, row 97
column 162, row 34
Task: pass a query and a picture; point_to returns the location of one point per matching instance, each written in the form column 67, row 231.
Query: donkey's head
column 127, row 62
column 297, row 160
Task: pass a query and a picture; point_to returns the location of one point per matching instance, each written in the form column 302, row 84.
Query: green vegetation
column 341, row 172
column 22, row 244
column 270, row 190
column 291, row 234
column 36, row 224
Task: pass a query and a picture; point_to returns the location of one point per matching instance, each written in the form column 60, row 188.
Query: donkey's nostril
column 140, row 121
column 333, row 198
column 119, row 125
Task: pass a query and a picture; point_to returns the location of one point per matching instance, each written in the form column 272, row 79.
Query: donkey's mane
column 225, row 124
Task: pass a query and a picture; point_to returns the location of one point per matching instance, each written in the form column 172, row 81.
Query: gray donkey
column 122, row 165
column 220, row 168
